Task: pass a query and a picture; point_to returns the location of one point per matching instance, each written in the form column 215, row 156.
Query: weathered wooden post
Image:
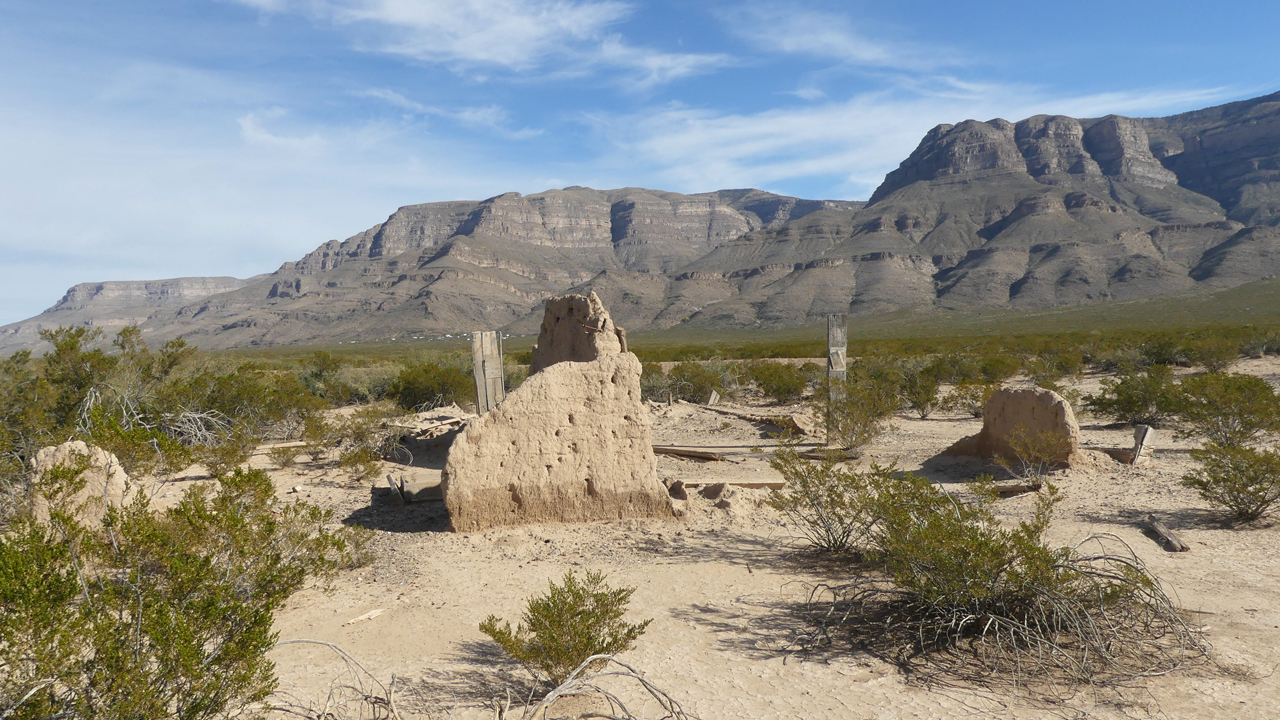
column 837, row 348
column 486, row 357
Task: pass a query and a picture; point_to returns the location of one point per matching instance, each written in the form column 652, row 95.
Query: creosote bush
column 947, row 589
column 1241, row 480
column 693, row 381
column 155, row 614
column 857, row 410
column 1227, row 409
column 569, row 624
column 827, row 503
column 1137, row 397
column 427, row 385
column 782, row 382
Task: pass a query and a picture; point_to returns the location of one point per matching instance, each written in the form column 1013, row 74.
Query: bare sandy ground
column 722, row 586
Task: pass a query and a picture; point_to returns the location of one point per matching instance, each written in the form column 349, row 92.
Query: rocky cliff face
column 1044, row 212
column 113, row 305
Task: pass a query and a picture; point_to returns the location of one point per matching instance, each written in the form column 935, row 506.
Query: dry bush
column 949, row 592
column 970, row 397
column 284, row 456
column 782, row 382
column 584, row 682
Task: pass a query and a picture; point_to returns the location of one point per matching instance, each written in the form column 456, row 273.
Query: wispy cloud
column 523, row 36
column 493, row 118
column 254, row 131
column 830, row 36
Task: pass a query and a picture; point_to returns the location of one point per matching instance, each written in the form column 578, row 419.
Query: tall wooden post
column 837, row 349
column 486, row 357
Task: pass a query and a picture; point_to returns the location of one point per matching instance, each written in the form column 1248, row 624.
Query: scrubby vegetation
column 1241, row 480
column 562, row 629
column 946, row 589
column 157, row 614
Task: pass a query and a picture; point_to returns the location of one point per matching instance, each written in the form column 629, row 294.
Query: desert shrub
column 827, row 503
column 654, row 383
column 1260, row 342
column 958, row 593
column 368, row 384
column 230, row 452
column 783, row 382
column 1119, row 359
column 1243, row 481
column 141, row 450
column 1033, row 455
column 1164, row 350
column 858, row 409
column 569, row 624
column 1049, row 366
column 157, row 615
column 1230, row 410
column 921, row 389
column 693, row 381
column 427, row 385
column 1215, row 354
column 970, row 397
column 1137, row 397
column 363, row 439
column 513, row 373
column 998, row 367
column 284, row 456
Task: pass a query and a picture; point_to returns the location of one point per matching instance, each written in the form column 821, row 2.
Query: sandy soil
column 722, row 586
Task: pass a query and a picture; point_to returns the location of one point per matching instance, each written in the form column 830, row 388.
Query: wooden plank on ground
column 688, row 453
column 1168, row 538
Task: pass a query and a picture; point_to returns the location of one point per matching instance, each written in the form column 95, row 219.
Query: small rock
column 723, row 503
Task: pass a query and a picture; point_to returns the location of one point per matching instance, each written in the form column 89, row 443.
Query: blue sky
column 147, row 139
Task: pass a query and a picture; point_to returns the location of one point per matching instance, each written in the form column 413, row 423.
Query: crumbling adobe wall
column 1036, row 410
column 571, row 444
column 575, row 328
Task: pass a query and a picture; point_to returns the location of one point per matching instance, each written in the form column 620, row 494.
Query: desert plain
column 726, row 585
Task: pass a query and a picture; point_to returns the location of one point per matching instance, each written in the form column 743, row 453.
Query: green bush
column 1033, row 455
column 826, row 503
column 921, row 390
column 569, row 624
column 157, row 615
column 427, row 385
column 1214, row 354
column 1137, row 398
column 857, row 410
column 783, row 382
column 693, row 381
column 1243, row 481
column 1227, row 409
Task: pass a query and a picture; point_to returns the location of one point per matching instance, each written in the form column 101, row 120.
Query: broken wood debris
column 1168, row 538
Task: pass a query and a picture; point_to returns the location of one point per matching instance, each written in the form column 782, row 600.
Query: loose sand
column 721, row 585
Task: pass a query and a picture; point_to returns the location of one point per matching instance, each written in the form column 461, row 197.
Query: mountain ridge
column 1049, row 211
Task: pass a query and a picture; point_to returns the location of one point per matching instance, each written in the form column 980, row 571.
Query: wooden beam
column 688, row 453
column 1168, row 538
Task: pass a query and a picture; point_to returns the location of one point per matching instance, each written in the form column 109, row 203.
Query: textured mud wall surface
column 574, row 328
column 106, row 484
column 1033, row 411
column 571, row 444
